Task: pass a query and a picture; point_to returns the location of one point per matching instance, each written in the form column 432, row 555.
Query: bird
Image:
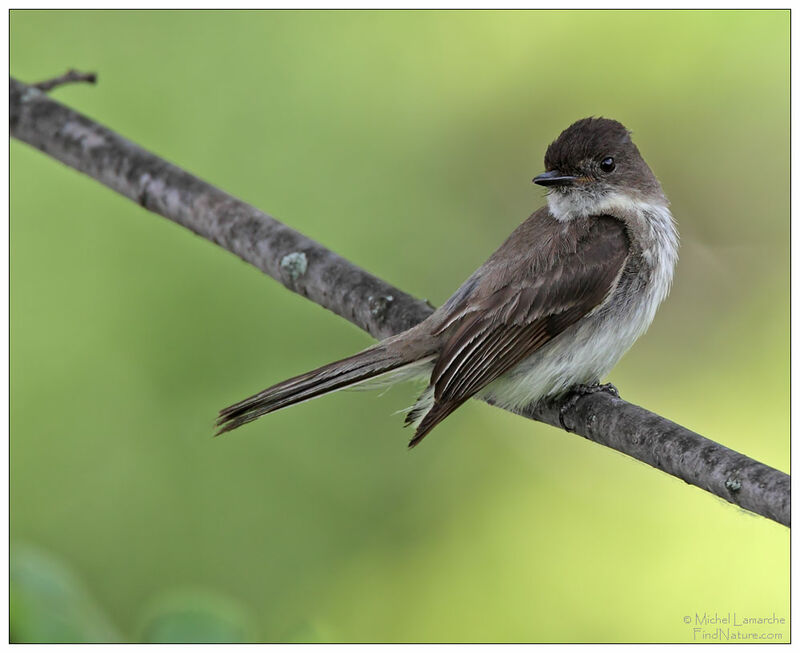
column 549, row 313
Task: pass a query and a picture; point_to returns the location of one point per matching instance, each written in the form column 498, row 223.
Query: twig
column 308, row 268
column 69, row 77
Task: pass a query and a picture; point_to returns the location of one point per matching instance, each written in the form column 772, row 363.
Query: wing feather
column 495, row 328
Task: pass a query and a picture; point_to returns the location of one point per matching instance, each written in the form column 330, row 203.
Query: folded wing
column 494, row 329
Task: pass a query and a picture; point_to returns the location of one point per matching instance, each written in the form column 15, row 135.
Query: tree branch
column 69, row 77
column 306, row 267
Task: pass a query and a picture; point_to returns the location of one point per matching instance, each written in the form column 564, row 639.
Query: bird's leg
column 581, row 390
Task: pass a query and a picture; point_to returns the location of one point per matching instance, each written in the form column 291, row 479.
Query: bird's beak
column 554, row 178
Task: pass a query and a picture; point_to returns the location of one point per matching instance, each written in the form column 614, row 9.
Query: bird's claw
column 581, row 390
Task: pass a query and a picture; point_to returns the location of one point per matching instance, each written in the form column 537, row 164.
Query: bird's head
column 594, row 162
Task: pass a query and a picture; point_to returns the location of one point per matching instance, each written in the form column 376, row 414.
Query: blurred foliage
column 406, row 141
column 196, row 616
column 49, row 603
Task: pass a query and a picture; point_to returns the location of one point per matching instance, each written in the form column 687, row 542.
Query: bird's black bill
column 554, row 178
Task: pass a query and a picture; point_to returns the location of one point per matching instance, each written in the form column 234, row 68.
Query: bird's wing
column 494, row 329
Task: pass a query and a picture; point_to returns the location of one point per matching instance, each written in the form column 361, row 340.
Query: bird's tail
column 381, row 360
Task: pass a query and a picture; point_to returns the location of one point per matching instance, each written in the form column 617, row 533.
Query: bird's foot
column 581, row 390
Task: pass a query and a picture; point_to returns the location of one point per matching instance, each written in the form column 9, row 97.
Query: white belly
column 584, row 353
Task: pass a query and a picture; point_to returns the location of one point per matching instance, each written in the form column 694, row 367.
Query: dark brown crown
column 588, row 139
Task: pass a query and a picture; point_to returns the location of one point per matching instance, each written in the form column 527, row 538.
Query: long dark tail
column 367, row 364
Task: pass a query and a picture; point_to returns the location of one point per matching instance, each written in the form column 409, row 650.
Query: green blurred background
column 405, row 141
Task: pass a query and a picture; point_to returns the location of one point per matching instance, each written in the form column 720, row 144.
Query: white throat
column 581, row 204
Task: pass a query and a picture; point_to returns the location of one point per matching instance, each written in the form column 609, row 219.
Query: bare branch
column 69, row 77
column 308, row 268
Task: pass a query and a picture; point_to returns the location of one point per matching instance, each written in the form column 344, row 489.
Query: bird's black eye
column 607, row 164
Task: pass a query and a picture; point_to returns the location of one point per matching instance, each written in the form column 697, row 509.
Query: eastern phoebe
column 554, row 308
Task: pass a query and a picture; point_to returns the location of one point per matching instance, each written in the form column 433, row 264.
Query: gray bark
column 306, row 267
